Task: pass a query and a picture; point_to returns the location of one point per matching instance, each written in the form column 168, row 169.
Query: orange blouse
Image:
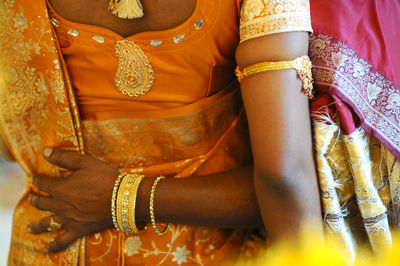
column 199, row 131
column 191, row 61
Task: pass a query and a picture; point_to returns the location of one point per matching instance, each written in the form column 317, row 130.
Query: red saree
column 357, row 122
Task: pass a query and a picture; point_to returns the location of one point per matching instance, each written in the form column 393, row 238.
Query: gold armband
column 302, row 65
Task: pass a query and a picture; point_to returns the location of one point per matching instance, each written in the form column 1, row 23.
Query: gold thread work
column 135, row 75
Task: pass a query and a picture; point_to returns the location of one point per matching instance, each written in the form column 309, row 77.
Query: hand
column 81, row 202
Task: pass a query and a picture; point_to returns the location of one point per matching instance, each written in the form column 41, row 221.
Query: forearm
column 225, row 200
column 286, row 187
column 278, row 115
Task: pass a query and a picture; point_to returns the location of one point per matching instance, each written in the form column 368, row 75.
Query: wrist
column 142, row 201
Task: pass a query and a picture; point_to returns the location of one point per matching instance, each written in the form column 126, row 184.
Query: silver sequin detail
column 155, row 42
column 98, row 39
column 179, row 38
column 199, row 24
column 74, row 33
column 55, row 22
column 21, row 20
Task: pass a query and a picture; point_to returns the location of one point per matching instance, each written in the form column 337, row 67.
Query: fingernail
column 29, row 229
column 46, row 250
column 47, row 152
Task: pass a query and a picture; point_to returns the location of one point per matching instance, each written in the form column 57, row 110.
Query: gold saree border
column 37, row 109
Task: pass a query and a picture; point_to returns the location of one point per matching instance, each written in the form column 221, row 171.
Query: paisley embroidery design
column 135, row 74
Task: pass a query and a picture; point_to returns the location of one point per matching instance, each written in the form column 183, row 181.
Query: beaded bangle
column 302, row 65
column 114, row 199
column 132, row 203
column 122, row 203
column 152, row 218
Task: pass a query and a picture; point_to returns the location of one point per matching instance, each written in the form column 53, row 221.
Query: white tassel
column 126, row 8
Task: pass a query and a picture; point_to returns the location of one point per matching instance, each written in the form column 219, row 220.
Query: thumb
column 64, row 159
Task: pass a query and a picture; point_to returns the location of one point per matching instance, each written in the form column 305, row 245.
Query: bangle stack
column 123, row 203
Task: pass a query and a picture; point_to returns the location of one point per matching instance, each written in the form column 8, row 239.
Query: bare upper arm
column 274, row 47
column 277, row 111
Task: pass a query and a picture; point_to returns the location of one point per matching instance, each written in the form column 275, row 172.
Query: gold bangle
column 152, row 218
column 122, row 203
column 301, row 64
column 132, row 203
column 114, row 199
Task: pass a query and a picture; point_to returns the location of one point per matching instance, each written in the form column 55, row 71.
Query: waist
column 174, row 136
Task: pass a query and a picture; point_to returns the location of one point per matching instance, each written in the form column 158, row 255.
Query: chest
column 158, row 14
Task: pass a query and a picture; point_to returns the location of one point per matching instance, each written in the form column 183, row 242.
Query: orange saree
column 54, row 96
column 71, row 85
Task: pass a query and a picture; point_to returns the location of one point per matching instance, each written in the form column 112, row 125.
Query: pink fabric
column 348, row 119
column 322, row 105
column 356, row 63
column 369, row 27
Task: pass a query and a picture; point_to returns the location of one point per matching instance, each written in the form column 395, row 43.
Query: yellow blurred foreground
column 311, row 250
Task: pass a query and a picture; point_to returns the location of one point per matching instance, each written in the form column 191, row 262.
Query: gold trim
column 135, row 74
column 301, row 64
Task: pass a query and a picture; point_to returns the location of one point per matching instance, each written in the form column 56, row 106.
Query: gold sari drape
column 38, row 109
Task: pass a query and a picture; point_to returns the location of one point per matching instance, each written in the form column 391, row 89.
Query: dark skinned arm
column 225, row 200
column 278, row 114
column 81, row 201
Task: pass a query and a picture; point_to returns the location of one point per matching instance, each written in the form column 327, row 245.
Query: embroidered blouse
column 191, row 61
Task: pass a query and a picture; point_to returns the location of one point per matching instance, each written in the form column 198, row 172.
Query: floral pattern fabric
column 263, row 17
column 373, row 97
column 358, row 172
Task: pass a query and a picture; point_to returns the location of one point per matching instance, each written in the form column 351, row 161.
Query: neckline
column 144, row 35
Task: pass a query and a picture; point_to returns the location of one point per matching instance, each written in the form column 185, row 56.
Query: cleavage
column 158, row 14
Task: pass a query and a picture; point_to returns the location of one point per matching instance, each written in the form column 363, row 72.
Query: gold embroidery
column 135, row 74
column 34, row 112
column 354, row 179
column 137, row 142
column 132, row 245
column 260, row 18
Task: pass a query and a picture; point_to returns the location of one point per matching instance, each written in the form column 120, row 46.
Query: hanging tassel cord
column 126, row 8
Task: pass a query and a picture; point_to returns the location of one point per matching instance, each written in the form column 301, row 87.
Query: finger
column 42, row 225
column 64, row 159
column 45, row 183
column 62, row 242
column 45, row 203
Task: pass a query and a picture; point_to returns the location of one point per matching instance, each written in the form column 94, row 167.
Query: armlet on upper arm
column 301, row 64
